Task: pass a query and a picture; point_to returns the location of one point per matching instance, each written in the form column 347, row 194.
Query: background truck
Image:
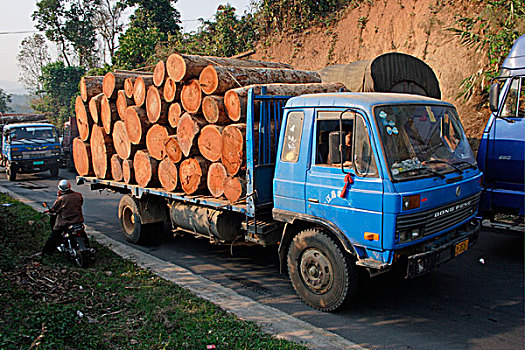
column 69, row 132
column 502, row 148
column 30, row 148
column 341, row 182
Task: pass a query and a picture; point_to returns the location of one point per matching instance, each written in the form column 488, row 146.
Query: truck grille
column 37, row 154
column 438, row 219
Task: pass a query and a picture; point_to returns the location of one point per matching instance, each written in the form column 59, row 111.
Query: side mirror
column 494, row 97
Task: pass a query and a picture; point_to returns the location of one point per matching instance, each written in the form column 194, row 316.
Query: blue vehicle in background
column 502, row 149
column 30, row 148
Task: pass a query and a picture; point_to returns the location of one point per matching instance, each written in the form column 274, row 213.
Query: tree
column 137, row 47
column 32, row 57
column 160, row 14
column 107, row 20
column 5, row 98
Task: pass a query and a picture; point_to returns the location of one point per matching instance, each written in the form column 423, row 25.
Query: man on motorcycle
column 68, row 210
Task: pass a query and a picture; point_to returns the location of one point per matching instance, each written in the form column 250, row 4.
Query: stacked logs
column 181, row 127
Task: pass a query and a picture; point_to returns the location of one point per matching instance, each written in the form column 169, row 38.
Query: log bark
column 82, row 157
column 128, row 175
column 210, row 142
column 156, row 139
column 182, row 67
column 217, row 80
column 168, row 175
column 94, row 107
column 137, row 124
column 235, row 100
column 84, row 122
column 124, row 148
column 172, row 149
column 216, row 176
column 140, row 88
column 191, row 96
column 233, row 146
column 101, row 152
column 90, row 86
column 171, row 92
column 174, row 113
column 123, row 102
column 116, row 168
column 214, row 110
column 108, row 114
column 145, row 168
column 114, row 82
column 159, row 73
column 234, row 188
column 156, row 108
column 188, row 127
column 193, row 174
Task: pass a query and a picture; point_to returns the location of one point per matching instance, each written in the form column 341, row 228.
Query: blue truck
column 502, row 149
column 340, row 182
column 29, row 148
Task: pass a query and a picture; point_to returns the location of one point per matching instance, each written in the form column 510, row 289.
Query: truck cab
column 381, row 178
column 30, row 148
column 501, row 151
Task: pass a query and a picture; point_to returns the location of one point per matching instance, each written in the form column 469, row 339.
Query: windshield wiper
column 470, row 165
column 439, row 161
column 425, row 169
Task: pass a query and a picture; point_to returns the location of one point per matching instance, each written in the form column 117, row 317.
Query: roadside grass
column 49, row 303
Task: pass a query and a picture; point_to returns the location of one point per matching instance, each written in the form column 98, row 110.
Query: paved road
column 465, row 304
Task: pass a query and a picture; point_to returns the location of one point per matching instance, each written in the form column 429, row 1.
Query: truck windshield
column 422, row 141
column 34, row 133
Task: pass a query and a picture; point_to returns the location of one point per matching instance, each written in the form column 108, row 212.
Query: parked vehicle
column 30, row 148
column 502, row 148
column 342, row 182
column 70, row 131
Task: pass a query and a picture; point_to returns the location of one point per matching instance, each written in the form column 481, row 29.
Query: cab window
column 292, row 137
column 514, row 104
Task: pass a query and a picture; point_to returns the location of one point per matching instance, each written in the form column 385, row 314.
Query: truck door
column 358, row 211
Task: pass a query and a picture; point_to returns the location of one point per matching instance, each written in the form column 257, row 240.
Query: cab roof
column 27, row 125
column 363, row 100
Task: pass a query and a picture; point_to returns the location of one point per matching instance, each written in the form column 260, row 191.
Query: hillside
column 418, row 28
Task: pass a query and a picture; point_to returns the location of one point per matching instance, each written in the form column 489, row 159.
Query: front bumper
column 35, row 165
column 443, row 250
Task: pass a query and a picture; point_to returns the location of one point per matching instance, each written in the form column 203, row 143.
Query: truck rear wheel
column 130, row 221
column 10, row 172
column 322, row 274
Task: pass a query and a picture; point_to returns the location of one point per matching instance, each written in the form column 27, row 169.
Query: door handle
column 313, row 200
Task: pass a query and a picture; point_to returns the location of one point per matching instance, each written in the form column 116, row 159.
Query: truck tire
column 131, row 222
column 322, row 274
column 10, row 172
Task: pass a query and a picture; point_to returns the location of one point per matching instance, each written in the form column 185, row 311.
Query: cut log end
column 82, row 157
column 83, row 121
column 108, row 85
column 174, row 114
column 128, row 174
column 159, row 73
column 214, row 110
column 232, row 103
column 168, row 175
column 136, row 123
column 155, row 107
column 233, row 146
column 208, row 79
column 193, row 175
column 101, row 151
column 145, row 168
column 128, row 87
column 170, row 90
column 210, row 142
column 156, row 140
column 187, row 129
column 172, row 149
column 176, row 67
column 120, row 140
column 234, row 188
column 216, row 176
column 191, row 96
column 116, row 168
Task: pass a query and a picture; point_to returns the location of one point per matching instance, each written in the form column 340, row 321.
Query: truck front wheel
column 322, row 274
column 10, row 172
column 130, row 220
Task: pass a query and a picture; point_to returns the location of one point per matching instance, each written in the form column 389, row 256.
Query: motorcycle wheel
column 80, row 258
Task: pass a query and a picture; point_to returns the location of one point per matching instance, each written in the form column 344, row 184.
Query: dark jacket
column 68, row 208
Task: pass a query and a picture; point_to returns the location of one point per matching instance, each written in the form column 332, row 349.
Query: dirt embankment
column 415, row 27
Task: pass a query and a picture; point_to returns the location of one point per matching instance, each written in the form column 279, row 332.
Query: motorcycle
column 73, row 242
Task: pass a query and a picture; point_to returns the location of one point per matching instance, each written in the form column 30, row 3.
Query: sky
column 16, row 17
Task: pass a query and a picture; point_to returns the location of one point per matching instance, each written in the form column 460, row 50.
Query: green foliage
column 493, row 31
column 59, row 88
column 158, row 14
column 5, row 98
column 137, row 47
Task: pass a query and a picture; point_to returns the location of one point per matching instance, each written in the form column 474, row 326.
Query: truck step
column 259, row 227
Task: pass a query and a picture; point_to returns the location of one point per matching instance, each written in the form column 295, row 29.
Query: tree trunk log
column 172, row 149
column 234, row 188
column 216, row 176
column 174, row 113
column 90, row 86
column 191, row 96
column 183, row 67
column 188, row 127
column 114, row 82
column 137, row 124
column 168, row 175
column 116, row 168
column 84, row 122
column 156, row 108
column 123, row 102
column 171, row 92
column 214, row 110
column 145, row 168
column 159, row 73
column 217, row 80
column 101, row 152
column 108, row 114
column 94, row 108
column 193, row 174
column 128, row 174
column 235, row 100
column 233, row 146
column 82, row 157
column 121, row 142
column 210, row 142
column 156, row 139
column 128, row 86
column 140, row 88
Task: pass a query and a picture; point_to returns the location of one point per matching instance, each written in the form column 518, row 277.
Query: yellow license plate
column 461, row 247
